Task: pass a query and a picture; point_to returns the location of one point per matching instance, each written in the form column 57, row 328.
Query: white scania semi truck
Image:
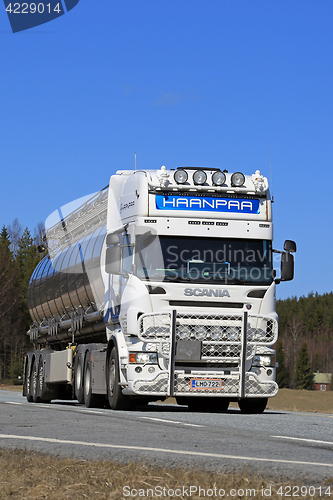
column 160, row 285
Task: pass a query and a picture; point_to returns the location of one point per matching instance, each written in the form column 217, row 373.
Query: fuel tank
column 69, row 277
column 70, row 280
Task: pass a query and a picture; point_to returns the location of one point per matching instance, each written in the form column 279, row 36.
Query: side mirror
column 289, row 246
column 287, row 266
column 113, row 260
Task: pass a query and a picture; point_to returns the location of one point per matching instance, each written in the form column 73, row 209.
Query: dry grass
column 31, row 476
column 293, row 400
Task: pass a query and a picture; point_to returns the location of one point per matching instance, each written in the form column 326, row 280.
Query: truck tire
column 79, row 376
column 43, row 392
column 117, row 400
column 252, row 405
column 34, row 381
column 28, row 383
column 90, row 400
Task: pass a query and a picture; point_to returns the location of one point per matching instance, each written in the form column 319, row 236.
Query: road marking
column 305, row 439
column 161, row 450
column 172, row 421
column 13, row 403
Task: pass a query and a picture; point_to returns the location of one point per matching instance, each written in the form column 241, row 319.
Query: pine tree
column 5, row 240
column 303, row 371
column 282, row 374
column 26, row 259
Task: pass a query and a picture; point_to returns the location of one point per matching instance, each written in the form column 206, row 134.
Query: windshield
column 204, row 260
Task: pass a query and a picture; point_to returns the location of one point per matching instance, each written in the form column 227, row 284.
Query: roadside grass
column 34, row 476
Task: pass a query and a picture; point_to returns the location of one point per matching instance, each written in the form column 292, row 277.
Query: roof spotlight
column 218, row 178
column 237, row 179
column 199, row 177
column 180, row 176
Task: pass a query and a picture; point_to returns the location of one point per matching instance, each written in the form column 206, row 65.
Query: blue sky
column 183, row 82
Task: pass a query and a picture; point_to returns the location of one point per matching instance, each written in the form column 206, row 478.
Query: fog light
column 184, row 332
column 151, row 369
column 138, row 369
column 199, row 177
column 180, row 176
column 269, row 372
column 237, row 179
column 218, row 178
column 199, row 332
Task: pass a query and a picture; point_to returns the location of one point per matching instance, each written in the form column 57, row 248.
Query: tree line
column 18, row 258
column 305, row 339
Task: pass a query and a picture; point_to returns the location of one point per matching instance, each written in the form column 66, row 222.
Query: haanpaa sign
column 207, row 204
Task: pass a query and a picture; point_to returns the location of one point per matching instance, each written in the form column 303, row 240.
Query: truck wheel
column 117, row 400
column 90, row 400
column 43, row 392
column 252, row 405
column 34, row 381
column 28, row 383
column 78, row 377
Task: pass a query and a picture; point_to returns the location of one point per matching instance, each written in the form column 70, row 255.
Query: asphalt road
column 295, row 446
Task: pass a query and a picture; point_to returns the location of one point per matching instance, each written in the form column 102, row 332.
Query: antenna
column 270, row 170
column 135, row 161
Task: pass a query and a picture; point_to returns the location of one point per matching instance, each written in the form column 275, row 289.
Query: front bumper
column 222, row 356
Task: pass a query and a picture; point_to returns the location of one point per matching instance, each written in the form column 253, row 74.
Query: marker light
column 237, row 179
column 199, row 177
column 180, row 176
column 218, row 178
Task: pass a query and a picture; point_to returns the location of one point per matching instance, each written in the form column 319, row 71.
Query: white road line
column 13, row 403
column 172, row 421
column 162, row 450
column 304, row 439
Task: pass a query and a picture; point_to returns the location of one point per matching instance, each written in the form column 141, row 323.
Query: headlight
column 184, row 332
column 263, row 360
column 143, row 357
column 180, row 176
column 199, row 177
column 218, row 178
column 237, row 179
column 233, row 333
column 200, row 332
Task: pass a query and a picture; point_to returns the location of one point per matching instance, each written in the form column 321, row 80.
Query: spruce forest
column 305, row 341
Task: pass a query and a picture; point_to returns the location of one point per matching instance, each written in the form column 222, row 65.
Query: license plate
column 206, row 383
